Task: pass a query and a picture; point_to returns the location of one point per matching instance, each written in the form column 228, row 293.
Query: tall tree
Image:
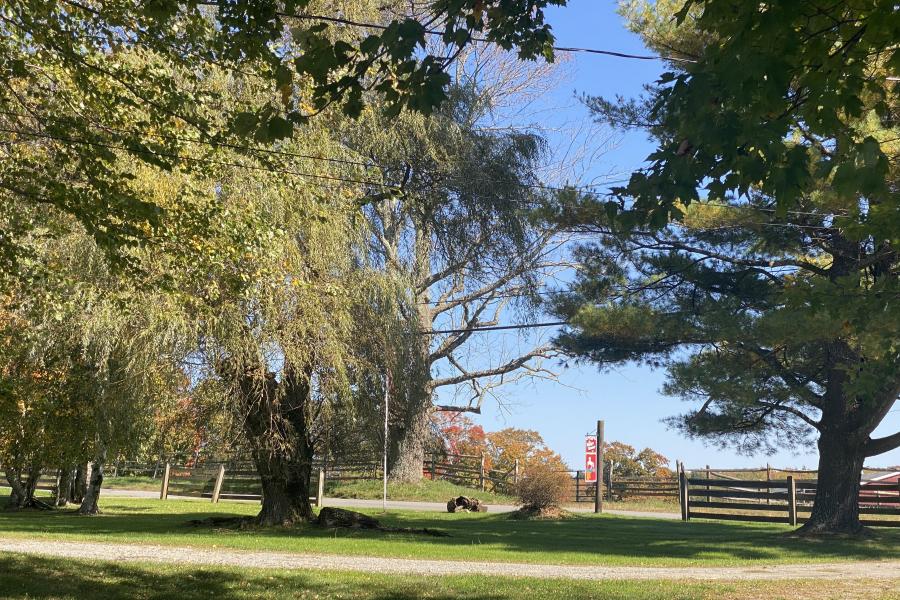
column 772, row 296
column 457, row 228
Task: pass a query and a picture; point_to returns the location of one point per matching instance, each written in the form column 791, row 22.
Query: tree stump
column 465, row 504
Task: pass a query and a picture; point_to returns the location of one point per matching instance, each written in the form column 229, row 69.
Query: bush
column 543, row 487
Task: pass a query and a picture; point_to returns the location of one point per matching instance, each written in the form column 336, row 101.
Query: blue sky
column 628, row 399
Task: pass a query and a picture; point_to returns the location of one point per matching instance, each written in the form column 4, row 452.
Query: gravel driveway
column 138, row 553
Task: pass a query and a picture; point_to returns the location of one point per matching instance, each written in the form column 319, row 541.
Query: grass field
column 423, row 491
column 34, row 577
column 132, row 482
column 585, row 539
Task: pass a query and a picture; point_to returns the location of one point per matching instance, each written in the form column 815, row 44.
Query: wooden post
column 598, row 497
column 769, row 481
column 685, row 495
column 516, row 473
column 792, row 501
column 577, row 485
column 433, row 467
column 609, row 484
column 708, row 499
column 217, row 488
column 320, row 488
column 481, row 473
column 164, row 490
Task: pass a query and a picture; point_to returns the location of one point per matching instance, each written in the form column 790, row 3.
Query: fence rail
column 787, row 500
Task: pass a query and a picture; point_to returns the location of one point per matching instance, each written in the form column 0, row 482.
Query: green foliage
column 91, row 85
column 780, row 96
column 756, row 255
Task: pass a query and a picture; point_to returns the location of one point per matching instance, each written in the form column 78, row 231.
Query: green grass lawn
column 36, row 577
column 423, row 491
column 667, row 505
column 132, row 482
column 585, row 539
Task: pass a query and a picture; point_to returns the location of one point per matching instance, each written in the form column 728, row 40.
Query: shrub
column 542, row 487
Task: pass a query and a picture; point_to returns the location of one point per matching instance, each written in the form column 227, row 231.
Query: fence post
column 609, row 484
column 164, row 490
column 708, row 476
column 792, row 500
column 320, row 487
column 684, row 495
column 481, row 473
column 769, row 481
column 217, row 488
column 433, row 467
column 577, row 485
column 516, row 473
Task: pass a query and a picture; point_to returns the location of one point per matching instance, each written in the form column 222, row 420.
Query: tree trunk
column 64, row 488
column 275, row 425
column 410, row 440
column 285, row 490
column 18, row 494
column 836, row 507
column 89, row 506
column 79, row 486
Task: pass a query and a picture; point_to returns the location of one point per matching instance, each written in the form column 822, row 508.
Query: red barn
column 877, row 485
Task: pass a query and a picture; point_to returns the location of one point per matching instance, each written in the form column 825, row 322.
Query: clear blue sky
column 628, row 399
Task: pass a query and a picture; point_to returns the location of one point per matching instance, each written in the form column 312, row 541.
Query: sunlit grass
column 584, row 539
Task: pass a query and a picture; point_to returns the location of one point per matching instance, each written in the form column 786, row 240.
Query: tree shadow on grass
column 579, row 540
column 45, row 578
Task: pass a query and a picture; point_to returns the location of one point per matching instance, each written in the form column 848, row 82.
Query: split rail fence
column 714, row 495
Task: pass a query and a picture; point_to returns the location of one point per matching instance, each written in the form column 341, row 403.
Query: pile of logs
column 464, row 504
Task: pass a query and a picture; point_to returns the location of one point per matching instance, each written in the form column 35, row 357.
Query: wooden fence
column 623, row 488
column 774, row 500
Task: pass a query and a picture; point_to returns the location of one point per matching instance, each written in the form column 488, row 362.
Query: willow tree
column 85, row 358
column 771, row 296
column 88, row 84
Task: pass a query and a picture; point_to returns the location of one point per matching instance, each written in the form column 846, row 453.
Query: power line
column 435, row 32
column 495, row 328
column 345, row 161
column 382, row 184
column 289, row 154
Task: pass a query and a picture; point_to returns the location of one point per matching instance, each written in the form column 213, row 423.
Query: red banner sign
column 590, row 458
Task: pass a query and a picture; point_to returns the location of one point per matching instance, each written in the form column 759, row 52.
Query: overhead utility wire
column 314, row 175
column 435, row 32
column 591, row 186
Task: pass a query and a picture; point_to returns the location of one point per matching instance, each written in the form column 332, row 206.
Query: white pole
column 387, row 388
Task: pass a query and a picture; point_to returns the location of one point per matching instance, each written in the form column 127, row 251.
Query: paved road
column 140, row 553
column 393, row 504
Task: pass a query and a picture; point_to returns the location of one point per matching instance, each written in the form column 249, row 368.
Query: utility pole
column 598, row 497
column 387, row 394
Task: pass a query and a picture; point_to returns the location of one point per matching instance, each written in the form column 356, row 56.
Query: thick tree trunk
column 410, row 440
column 89, row 506
column 276, row 427
column 285, row 490
column 836, row 507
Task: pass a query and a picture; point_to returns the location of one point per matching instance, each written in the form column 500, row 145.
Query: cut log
column 465, row 504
